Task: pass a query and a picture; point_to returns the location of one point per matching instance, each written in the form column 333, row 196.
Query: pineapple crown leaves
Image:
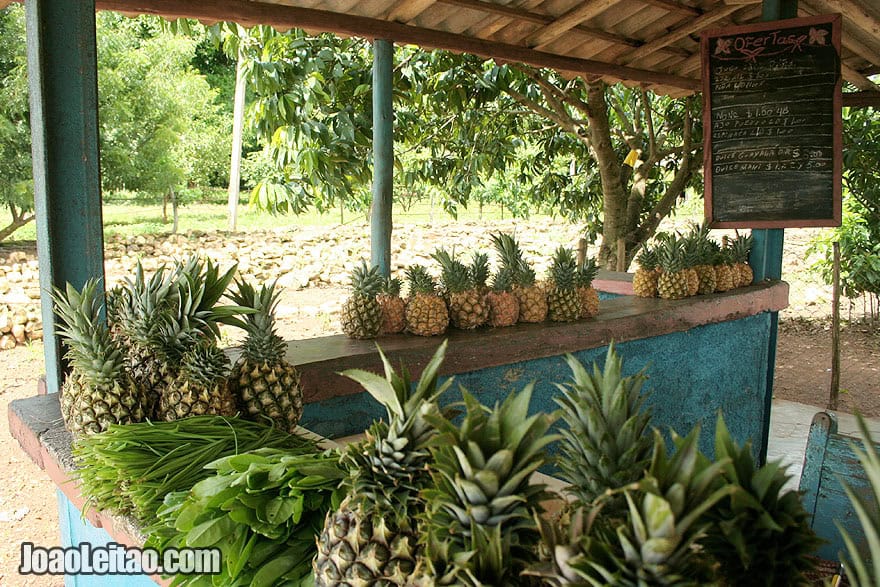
column 862, row 572
column 758, row 520
column 587, row 272
column 670, row 255
column 647, row 259
column 741, row 246
column 391, row 286
column 389, row 467
column 263, row 343
column 479, row 269
column 503, row 279
column 200, row 285
column 564, row 269
column 140, row 303
column 512, row 257
column 604, row 443
column 420, row 281
column 90, row 347
column 455, row 276
column 481, row 481
column 205, row 363
column 366, row 280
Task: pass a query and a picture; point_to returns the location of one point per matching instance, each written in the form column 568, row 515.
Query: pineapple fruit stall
column 155, row 370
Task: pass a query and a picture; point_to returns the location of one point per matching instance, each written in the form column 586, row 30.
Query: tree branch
column 649, row 117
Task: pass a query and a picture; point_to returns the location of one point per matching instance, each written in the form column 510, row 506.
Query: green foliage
column 161, row 127
column 261, row 509
column 16, row 186
column 859, row 234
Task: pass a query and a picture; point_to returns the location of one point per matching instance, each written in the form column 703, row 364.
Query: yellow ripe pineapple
column 690, row 255
column 531, row 296
column 741, row 247
column 264, row 383
column 393, row 308
column 563, row 299
column 426, row 313
column 724, row 277
column 589, row 297
column 503, row 305
column 467, row 305
column 361, row 313
column 645, row 278
column 673, row 283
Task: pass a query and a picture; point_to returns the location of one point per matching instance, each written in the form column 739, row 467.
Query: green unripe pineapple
column 202, row 387
column 361, row 312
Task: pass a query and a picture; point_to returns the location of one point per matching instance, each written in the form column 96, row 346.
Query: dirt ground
column 27, row 496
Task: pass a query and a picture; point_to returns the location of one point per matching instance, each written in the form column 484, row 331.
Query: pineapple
column 503, row 305
column 372, row 538
column 645, row 278
column 605, row 442
column 201, row 387
column 467, row 305
column 479, row 527
column 563, row 299
column 690, row 254
column 479, row 272
column 762, row 527
column 159, row 319
column 361, row 312
column 531, row 297
column 393, row 308
column 265, row 384
column 589, row 297
column 656, row 542
column 98, row 391
column 725, row 279
column 740, row 248
column 705, row 253
column 674, row 282
column 426, row 313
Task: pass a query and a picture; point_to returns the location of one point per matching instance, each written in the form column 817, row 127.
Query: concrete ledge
column 620, row 319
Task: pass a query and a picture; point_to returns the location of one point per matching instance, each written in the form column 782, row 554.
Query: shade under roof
column 650, row 42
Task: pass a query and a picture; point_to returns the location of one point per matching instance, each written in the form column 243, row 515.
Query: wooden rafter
column 249, row 13
column 516, row 13
column 675, row 7
column 862, row 99
column 854, row 77
column 577, row 15
column 406, row 10
column 688, row 28
column 854, row 31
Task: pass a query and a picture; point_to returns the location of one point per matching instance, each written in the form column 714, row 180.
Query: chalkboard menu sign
column 771, row 119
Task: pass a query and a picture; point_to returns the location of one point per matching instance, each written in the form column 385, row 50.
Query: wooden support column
column 383, row 156
column 62, row 71
column 766, row 255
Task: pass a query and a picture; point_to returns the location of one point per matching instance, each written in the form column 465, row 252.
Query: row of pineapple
column 467, row 298
column 437, row 501
column 157, row 357
column 679, row 266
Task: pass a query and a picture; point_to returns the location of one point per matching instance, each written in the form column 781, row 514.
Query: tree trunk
column 614, row 197
column 19, row 219
column 237, row 129
column 174, row 211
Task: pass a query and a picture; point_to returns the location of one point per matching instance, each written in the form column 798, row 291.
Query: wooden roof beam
column 407, row 10
column 688, row 28
column 862, row 99
column 577, row 15
column 675, row 7
column 249, row 14
column 516, row 13
column 854, row 77
column 854, row 35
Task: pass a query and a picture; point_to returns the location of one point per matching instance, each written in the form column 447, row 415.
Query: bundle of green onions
column 128, row 469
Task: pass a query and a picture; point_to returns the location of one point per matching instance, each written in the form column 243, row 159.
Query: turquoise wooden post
column 766, row 256
column 383, row 156
column 62, row 71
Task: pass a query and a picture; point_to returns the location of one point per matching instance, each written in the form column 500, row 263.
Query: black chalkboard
column 771, row 119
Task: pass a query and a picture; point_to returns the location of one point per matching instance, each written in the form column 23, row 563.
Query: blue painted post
column 383, row 156
column 766, row 255
column 62, row 71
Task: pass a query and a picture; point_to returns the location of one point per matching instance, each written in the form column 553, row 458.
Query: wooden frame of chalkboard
column 772, row 137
